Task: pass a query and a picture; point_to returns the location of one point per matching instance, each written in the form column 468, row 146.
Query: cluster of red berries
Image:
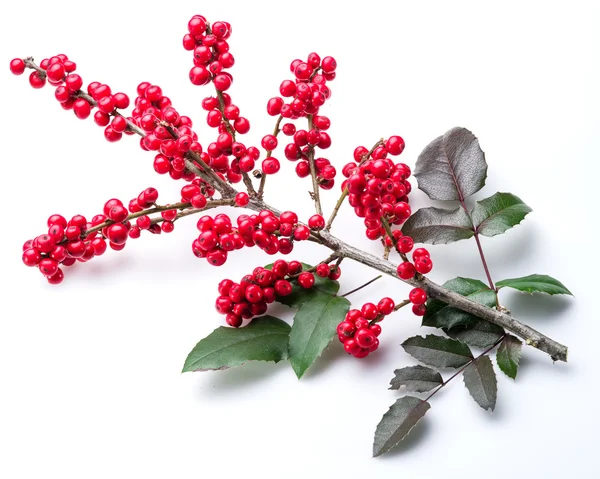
column 421, row 260
column 250, row 297
column 59, row 72
column 211, row 60
column 378, row 187
column 418, row 298
column 271, row 234
column 69, row 241
column 307, row 92
column 360, row 329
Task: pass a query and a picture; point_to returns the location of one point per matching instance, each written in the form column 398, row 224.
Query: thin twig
column 313, row 172
column 263, row 178
column 362, row 286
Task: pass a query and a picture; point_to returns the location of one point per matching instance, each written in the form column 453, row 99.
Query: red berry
column 57, row 278
column 420, row 252
column 365, row 338
column 386, row 306
column 405, row 245
column 369, row 311
column 419, row 309
column 301, row 233
column 81, row 108
column 306, row 280
column 323, row 270
column 346, row 329
column 316, row 222
column 283, row 287
column 406, row 270
column 17, row 66
column 417, row 296
column 335, row 273
column 394, row 145
column 423, row 264
column 117, row 234
column 375, row 329
column 233, row 320
column 351, row 346
column 270, row 166
column 31, row 257
column 254, row 293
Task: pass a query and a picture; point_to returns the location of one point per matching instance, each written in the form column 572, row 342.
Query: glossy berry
column 406, row 270
column 423, row 264
column 306, row 280
column 386, row 306
column 316, row 222
column 419, row 309
column 417, row 296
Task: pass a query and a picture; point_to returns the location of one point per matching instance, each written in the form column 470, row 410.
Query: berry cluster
column 418, row 298
column 59, row 72
column 81, row 240
column 271, row 234
column 377, row 187
column 359, row 331
column 250, row 297
column 211, row 60
column 421, row 260
column 307, row 92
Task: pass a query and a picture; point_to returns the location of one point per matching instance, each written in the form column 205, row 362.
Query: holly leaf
column 480, row 380
column 314, row 326
column 395, row 424
column 452, row 167
column 508, row 356
column 264, row 339
column 436, row 225
column 300, row 295
column 480, row 334
column 438, row 351
column 419, row 379
column 440, row 315
column 535, row 283
column 498, row 213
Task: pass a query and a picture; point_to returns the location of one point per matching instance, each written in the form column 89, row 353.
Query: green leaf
column 301, row 295
column 508, row 356
column 264, row 339
column 451, row 167
column 419, row 379
column 480, row 334
column 395, row 424
column 314, row 326
column 438, row 351
column 535, row 283
column 498, row 213
column 480, row 380
column 437, row 225
column 440, row 315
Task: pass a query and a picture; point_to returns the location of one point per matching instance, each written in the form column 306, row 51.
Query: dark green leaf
column 438, row 351
column 437, row 225
column 535, row 283
column 508, row 356
column 314, row 326
column 498, row 213
column 301, row 295
column 440, row 315
column 480, row 334
column 419, row 379
column 452, row 167
column 397, row 423
column 480, row 380
column 264, row 339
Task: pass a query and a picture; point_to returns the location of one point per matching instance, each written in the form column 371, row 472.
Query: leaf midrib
column 325, row 306
column 498, row 212
column 240, row 342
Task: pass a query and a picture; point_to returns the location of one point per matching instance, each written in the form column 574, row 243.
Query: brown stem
column 534, row 338
column 313, row 172
column 231, row 131
column 362, row 286
column 263, row 178
column 206, row 173
column 185, row 207
column 465, row 367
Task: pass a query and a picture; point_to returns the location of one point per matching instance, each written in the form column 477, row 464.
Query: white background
column 90, row 370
